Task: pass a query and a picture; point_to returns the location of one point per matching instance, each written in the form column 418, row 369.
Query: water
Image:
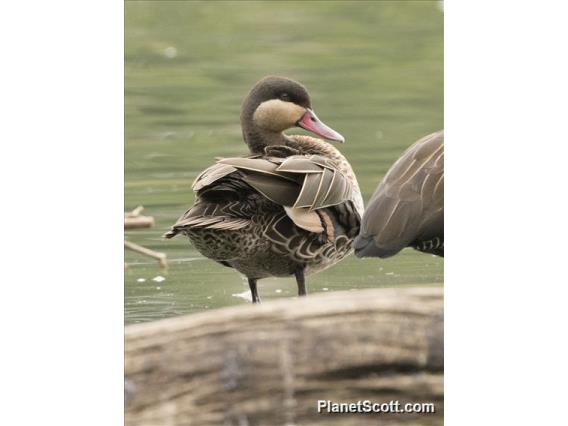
column 375, row 74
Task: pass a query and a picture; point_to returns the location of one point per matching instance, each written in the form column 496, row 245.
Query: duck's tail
column 171, row 233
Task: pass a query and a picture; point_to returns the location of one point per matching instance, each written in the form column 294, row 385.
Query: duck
column 292, row 207
column 407, row 208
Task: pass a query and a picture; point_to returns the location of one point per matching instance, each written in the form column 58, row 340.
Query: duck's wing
column 239, row 187
column 408, row 204
column 223, row 201
column 311, row 182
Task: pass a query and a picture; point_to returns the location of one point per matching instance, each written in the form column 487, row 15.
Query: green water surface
column 375, row 74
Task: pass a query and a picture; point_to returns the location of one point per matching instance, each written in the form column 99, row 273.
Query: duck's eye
column 285, row 97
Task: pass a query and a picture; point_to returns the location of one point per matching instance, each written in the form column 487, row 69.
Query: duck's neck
column 258, row 139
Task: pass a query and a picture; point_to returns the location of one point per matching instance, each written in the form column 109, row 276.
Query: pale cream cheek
column 277, row 115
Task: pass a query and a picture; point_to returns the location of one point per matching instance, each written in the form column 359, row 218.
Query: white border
column 505, row 275
column 62, row 194
column 61, row 173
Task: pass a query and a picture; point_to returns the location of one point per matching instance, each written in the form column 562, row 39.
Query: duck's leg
column 253, row 290
column 301, row 281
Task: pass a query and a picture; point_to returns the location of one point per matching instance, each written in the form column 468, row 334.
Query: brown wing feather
column 230, row 215
column 228, row 192
column 280, row 191
column 210, row 175
column 409, row 202
column 325, row 184
column 311, row 173
column 258, row 166
column 309, row 191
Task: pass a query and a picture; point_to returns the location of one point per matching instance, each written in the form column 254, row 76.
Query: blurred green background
column 375, row 74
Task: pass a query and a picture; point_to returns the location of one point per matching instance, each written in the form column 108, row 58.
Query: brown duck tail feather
column 171, row 233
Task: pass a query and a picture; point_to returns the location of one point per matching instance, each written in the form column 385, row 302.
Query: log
column 160, row 257
column 134, row 213
column 136, row 222
column 269, row 364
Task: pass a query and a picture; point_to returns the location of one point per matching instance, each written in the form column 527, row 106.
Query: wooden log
column 160, row 257
column 134, row 213
column 136, row 222
column 269, row 364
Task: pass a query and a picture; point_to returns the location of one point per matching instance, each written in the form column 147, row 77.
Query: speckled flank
column 433, row 246
column 261, row 250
